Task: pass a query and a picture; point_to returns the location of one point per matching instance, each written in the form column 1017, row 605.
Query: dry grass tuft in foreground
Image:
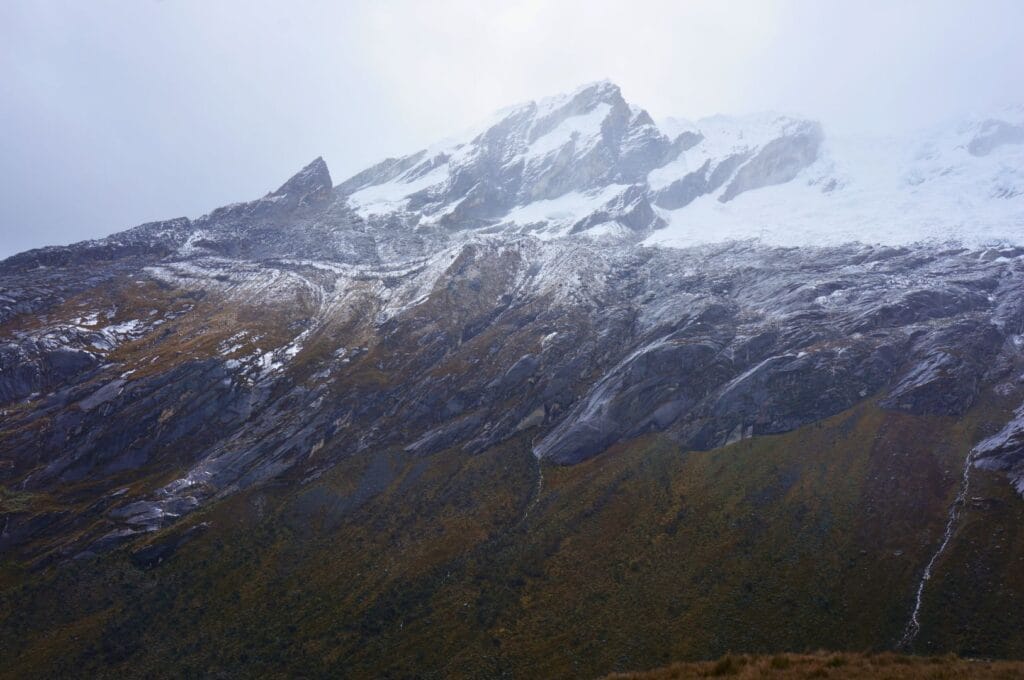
column 835, row 665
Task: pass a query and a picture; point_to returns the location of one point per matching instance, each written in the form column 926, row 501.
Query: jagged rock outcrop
column 1004, row 451
column 259, row 370
column 311, row 183
column 488, row 291
column 570, row 163
column 993, row 134
column 778, row 161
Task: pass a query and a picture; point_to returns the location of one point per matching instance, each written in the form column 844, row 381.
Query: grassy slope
column 392, row 565
column 839, row 666
column 975, row 606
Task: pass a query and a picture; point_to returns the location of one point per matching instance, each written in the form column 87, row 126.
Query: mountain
column 589, row 163
column 845, row 666
column 558, row 397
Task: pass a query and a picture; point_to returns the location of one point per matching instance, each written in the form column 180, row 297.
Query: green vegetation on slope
column 395, row 565
column 842, row 666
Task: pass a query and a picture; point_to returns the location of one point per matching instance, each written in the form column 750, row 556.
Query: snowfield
column 883, row 191
column 554, row 167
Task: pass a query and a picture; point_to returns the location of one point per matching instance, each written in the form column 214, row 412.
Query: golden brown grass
column 686, row 554
column 835, row 665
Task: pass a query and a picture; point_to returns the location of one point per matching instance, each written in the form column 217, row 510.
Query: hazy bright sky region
column 116, row 112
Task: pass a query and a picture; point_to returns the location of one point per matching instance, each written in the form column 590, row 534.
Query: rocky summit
column 567, row 393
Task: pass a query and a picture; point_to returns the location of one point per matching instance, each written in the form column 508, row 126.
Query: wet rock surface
column 174, row 364
column 779, row 161
column 574, row 345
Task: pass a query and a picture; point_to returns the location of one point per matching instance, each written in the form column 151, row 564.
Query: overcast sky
column 116, row 112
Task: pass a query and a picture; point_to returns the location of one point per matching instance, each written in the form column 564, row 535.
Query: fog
column 113, row 113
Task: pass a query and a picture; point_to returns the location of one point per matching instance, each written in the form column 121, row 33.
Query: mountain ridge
column 630, row 181
column 672, row 175
column 458, row 400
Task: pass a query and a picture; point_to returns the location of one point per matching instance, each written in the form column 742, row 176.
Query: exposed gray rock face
column 179, row 362
column 1004, row 451
column 576, row 164
column 705, row 180
column 309, row 184
column 779, row 161
column 994, row 134
column 683, row 191
column 470, row 343
column 153, row 239
column 946, row 368
column 536, row 152
column 519, row 372
column 33, row 365
column 721, row 376
column 630, row 209
column 587, row 145
column 385, row 171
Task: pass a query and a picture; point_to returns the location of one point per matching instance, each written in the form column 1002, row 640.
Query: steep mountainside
column 843, row 666
column 460, row 414
column 589, row 163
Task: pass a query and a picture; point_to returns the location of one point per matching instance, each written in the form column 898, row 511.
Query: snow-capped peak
column 589, row 162
column 578, row 143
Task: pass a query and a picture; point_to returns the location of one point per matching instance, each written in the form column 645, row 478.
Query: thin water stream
column 914, row 624
column 537, row 492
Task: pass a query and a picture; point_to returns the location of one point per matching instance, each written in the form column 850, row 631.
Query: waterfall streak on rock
column 914, row 624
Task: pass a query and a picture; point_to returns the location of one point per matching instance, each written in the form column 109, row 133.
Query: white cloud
column 673, row 56
column 143, row 110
